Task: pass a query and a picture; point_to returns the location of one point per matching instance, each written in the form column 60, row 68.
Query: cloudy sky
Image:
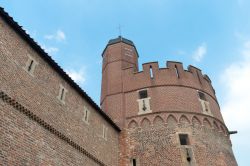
column 210, row 34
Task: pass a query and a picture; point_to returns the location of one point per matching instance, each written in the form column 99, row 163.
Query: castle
column 154, row 117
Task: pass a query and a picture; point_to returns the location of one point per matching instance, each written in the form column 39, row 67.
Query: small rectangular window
column 30, row 65
column 183, row 139
column 202, row 96
column 134, row 162
column 143, row 94
column 104, row 132
column 176, row 71
column 86, row 115
column 206, row 107
column 151, row 72
column 62, row 94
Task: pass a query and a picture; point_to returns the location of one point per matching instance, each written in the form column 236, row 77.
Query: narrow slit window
column 104, row 130
column 176, row 71
column 183, row 139
column 206, row 107
column 62, row 94
column 134, row 162
column 151, row 72
column 86, row 115
column 30, row 66
column 143, row 94
column 202, row 96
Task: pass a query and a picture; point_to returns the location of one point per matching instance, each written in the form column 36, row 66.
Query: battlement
column 173, row 75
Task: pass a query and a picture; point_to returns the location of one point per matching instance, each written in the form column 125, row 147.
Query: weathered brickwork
column 153, row 139
column 180, row 102
column 22, row 130
column 39, row 93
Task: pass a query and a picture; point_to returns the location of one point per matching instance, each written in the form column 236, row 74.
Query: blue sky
column 213, row 35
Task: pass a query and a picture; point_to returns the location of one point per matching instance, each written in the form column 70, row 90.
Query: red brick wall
column 157, row 142
column 150, row 138
column 114, row 60
column 24, row 142
column 39, row 94
column 171, row 98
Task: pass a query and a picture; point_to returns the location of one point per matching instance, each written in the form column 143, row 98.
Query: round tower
column 168, row 116
column 119, row 54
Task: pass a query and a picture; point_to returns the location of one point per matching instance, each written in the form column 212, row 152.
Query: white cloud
column 50, row 50
column 235, row 108
column 58, row 36
column 78, row 76
column 200, row 52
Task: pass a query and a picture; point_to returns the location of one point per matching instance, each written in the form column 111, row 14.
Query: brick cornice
column 178, row 112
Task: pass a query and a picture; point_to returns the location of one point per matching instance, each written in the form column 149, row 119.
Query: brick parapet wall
column 192, row 77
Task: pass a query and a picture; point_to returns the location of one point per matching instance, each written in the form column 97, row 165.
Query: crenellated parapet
column 173, row 75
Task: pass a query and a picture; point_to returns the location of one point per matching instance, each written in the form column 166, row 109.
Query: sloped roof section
column 18, row 29
column 120, row 39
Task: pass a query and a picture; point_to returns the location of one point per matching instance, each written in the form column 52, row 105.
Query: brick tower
column 168, row 116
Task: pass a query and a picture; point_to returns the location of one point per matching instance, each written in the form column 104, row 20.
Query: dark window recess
column 134, row 162
column 151, row 72
column 184, row 139
column 206, row 107
column 188, row 155
column 86, row 115
column 143, row 94
column 202, row 96
column 30, row 66
column 176, row 71
column 62, row 94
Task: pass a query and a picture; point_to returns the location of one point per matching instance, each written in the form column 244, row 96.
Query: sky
column 213, row 35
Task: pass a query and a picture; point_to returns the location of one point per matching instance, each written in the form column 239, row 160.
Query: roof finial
column 120, row 30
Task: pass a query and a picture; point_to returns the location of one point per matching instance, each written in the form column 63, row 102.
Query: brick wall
column 171, row 98
column 24, row 142
column 153, row 140
column 175, row 107
column 38, row 93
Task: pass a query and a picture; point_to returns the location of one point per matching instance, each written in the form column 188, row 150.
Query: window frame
column 30, row 65
column 62, row 94
column 86, row 115
column 186, row 138
column 141, row 94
